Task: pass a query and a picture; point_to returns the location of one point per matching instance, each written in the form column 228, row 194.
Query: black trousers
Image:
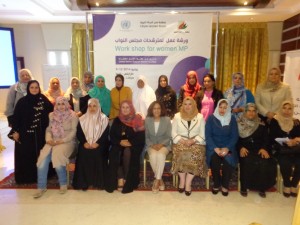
column 287, row 162
column 221, row 171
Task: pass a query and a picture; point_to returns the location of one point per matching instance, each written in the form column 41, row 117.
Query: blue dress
column 218, row 136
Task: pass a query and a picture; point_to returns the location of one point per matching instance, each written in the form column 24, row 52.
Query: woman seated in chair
column 60, row 143
column 127, row 135
column 283, row 125
column 258, row 168
column 91, row 161
column 158, row 136
column 221, row 136
column 188, row 148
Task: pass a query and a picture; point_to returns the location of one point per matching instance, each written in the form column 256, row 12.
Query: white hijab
column 143, row 97
column 93, row 125
column 224, row 120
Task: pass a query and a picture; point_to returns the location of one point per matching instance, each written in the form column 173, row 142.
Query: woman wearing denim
column 60, row 143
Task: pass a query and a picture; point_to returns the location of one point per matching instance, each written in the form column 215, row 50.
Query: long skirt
column 189, row 159
column 257, row 173
column 91, row 166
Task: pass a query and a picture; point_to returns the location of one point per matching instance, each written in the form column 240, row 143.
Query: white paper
column 282, row 140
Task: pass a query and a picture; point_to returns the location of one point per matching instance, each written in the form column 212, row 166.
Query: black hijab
column 163, row 90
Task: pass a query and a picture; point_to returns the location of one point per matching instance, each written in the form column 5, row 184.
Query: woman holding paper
column 283, row 125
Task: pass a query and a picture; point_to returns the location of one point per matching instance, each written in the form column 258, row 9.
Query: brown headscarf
column 285, row 123
column 188, row 116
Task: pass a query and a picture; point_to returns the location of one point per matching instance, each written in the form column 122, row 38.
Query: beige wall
column 274, row 35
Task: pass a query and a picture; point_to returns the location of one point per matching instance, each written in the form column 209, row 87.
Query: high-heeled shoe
column 286, row 192
column 188, row 193
column 244, row 193
column 215, row 190
column 262, row 194
column 180, row 190
column 225, row 192
column 294, row 192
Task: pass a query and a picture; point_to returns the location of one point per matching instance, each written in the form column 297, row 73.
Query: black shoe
column 262, row 194
column 287, row 195
column 188, row 193
column 224, row 193
column 180, row 190
column 215, row 191
column 293, row 194
column 244, row 193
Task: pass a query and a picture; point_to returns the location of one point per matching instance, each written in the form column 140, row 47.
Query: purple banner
column 141, row 60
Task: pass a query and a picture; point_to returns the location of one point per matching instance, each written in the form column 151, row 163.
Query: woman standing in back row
column 271, row 94
column 166, row 96
column 118, row 94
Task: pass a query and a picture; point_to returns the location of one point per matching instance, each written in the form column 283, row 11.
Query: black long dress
column 256, row 173
column 137, row 139
column 91, row 164
column 286, row 161
column 30, row 121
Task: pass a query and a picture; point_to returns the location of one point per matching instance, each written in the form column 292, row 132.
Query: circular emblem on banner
column 125, row 24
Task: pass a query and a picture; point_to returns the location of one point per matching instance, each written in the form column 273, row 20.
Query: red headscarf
column 132, row 120
column 191, row 90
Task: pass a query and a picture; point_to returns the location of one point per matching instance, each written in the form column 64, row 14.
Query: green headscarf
column 102, row 94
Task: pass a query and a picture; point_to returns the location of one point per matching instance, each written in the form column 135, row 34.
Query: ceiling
column 74, row 11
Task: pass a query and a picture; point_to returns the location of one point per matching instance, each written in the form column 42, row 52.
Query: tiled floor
column 17, row 207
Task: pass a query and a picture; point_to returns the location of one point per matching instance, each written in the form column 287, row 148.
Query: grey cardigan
column 163, row 135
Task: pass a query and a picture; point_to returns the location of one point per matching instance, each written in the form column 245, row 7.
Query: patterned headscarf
column 59, row 117
column 246, row 126
column 132, row 120
column 237, row 96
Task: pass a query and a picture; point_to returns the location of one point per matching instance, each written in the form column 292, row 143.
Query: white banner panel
column 292, row 77
column 152, row 45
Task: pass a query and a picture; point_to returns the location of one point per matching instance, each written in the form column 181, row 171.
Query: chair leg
column 68, row 175
column 207, row 180
column 239, row 180
column 145, row 162
column 279, row 180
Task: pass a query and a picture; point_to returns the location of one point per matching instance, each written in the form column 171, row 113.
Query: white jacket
column 196, row 130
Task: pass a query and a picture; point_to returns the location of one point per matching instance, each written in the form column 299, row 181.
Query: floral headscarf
column 132, row 120
column 59, row 117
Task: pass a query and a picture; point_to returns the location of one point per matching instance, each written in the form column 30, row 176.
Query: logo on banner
column 125, row 24
column 182, row 25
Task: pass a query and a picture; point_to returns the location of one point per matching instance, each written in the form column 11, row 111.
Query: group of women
column 203, row 128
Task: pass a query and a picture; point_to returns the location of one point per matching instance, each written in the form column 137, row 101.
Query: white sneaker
column 63, row 189
column 39, row 193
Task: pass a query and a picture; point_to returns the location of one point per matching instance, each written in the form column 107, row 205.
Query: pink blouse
column 207, row 105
